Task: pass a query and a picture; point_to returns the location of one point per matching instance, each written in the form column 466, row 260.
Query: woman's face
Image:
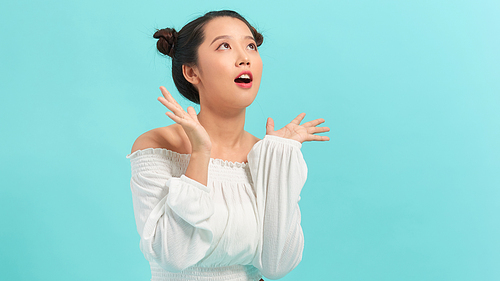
column 229, row 66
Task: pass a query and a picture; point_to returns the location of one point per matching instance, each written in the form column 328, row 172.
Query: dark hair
column 182, row 47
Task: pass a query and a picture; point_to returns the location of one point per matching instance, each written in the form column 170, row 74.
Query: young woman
column 211, row 201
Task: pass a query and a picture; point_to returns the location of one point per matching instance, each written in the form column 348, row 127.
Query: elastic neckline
column 185, row 157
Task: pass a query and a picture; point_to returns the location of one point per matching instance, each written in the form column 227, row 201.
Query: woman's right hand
column 198, row 136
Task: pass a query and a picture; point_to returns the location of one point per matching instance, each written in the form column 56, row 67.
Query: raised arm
column 172, row 206
column 279, row 172
column 171, row 210
column 198, row 136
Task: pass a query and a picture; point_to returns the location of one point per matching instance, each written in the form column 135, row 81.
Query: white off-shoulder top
column 243, row 224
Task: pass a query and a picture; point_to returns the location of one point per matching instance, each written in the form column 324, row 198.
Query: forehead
column 226, row 26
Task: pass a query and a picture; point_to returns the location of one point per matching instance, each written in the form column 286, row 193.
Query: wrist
column 201, row 152
column 284, row 140
column 201, row 148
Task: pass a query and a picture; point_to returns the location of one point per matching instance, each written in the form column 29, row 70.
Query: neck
column 226, row 130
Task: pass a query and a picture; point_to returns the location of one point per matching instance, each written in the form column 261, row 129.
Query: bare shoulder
column 171, row 137
column 252, row 139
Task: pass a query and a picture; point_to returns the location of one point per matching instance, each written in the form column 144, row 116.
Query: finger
column 192, row 112
column 315, row 130
column 174, row 117
column 314, row 123
column 166, row 94
column 269, row 126
column 176, row 109
column 317, row 138
column 298, row 119
column 164, row 101
column 321, row 138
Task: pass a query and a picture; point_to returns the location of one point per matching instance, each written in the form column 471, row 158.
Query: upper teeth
column 245, row 76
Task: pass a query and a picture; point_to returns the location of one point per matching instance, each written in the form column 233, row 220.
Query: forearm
column 279, row 173
column 171, row 210
column 198, row 167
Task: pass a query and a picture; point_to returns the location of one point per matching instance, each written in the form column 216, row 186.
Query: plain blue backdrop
column 408, row 187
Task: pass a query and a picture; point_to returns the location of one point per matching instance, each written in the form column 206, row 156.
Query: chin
column 248, row 100
column 243, row 102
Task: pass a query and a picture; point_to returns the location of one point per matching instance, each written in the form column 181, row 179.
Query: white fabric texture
column 244, row 224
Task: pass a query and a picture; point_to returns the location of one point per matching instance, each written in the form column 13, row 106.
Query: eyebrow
column 229, row 37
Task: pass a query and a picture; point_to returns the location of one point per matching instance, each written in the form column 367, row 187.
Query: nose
column 243, row 59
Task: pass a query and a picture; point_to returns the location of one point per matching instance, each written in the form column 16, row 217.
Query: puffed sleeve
column 171, row 210
column 278, row 172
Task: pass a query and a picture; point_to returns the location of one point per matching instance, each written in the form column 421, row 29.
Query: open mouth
column 244, row 78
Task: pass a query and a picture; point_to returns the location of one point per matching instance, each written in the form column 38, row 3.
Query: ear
column 191, row 74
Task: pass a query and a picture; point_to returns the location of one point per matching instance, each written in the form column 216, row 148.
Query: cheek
column 258, row 62
column 218, row 69
column 211, row 73
column 258, row 68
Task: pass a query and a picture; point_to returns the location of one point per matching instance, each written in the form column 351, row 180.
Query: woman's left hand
column 295, row 131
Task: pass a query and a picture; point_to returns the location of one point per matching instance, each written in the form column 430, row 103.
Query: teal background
column 408, row 187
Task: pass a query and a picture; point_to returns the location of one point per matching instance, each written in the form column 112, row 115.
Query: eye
column 224, row 46
column 252, row 46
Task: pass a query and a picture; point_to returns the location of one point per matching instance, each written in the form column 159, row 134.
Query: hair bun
column 167, row 38
column 258, row 37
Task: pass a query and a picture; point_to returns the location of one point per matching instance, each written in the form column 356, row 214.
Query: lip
column 245, row 85
column 245, row 72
